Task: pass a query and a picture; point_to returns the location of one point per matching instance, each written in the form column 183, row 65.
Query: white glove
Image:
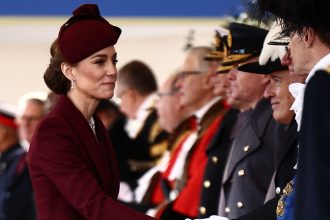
column 212, row 217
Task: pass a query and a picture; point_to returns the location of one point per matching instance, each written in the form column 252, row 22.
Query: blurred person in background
column 108, row 112
column 31, row 111
column 114, row 121
column 16, row 194
column 186, row 173
column 50, row 101
column 144, row 141
column 175, row 119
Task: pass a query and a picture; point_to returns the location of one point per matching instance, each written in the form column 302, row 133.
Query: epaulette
column 328, row 69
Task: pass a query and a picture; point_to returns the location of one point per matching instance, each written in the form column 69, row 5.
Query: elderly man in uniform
column 16, row 195
column 196, row 94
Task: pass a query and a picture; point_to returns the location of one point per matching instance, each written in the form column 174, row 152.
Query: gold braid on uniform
column 281, row 203
column 328, row 69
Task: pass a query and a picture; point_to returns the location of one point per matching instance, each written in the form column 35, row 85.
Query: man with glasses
column 176, row 121
column 197, row 95
column 31, row 111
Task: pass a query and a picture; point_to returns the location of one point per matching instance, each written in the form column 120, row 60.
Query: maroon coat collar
column 101, row 152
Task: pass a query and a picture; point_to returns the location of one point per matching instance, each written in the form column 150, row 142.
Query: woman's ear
column 67, row 71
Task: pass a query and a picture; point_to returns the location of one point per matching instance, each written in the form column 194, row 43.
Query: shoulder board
column 328, row 69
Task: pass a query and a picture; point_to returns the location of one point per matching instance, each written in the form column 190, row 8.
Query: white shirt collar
column 202, row 111
column 133, row 126
column 144, row 109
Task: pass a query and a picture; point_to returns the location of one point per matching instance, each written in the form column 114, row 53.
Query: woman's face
column 95, row 76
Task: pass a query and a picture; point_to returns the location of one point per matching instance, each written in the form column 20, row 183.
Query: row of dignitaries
column 257, row 149
column 309, row 51
column 257, row 143
column 282, row 100
column 192, row 90
column 16, row 195
column 196, row 88
column 176, row 119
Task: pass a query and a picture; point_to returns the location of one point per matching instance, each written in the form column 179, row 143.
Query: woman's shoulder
column 53, row 132
column 51, row 128
column 52, row 121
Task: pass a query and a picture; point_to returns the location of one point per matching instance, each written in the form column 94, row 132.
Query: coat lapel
column 215, row 111
column 223, row 132
column 86, row 136
column 250, row 136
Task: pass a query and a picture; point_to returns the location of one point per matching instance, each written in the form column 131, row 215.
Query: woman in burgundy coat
column 71, row 160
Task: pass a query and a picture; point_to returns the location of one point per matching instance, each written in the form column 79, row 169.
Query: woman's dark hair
column 53, row 76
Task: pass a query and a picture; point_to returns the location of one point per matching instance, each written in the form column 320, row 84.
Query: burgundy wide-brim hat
column 85, row 33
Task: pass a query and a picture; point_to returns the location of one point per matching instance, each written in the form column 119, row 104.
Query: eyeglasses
column 31, row 118
column 189, row 73
column 162, row 94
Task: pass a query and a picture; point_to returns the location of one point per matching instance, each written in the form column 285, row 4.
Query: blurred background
column 157, row 32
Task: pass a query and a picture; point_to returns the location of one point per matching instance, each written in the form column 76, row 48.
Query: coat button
column 207, row 183
column 227, row 210
column 246, row 148
column 215, row 159
column 278, row 190
column 241, row 172
column 239, row 204
column 202, row 210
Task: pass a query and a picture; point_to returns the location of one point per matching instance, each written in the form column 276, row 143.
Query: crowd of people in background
column 219, row 139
